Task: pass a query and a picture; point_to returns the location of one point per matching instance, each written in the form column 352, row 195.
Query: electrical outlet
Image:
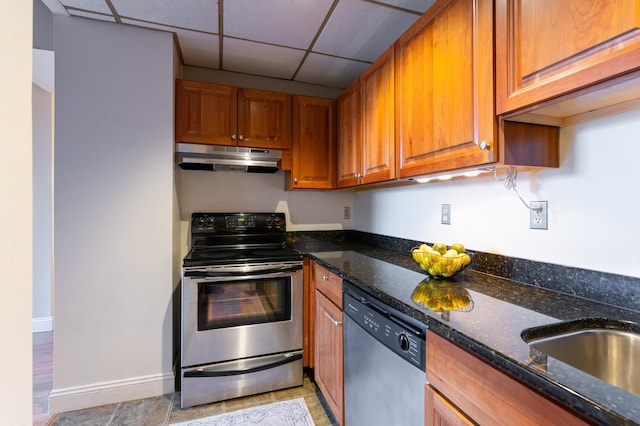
column 346, row 211
column 445, row 214
column 538, row 218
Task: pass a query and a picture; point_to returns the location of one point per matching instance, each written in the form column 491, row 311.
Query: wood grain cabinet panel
column 349, row 158
column 264, row 119
column 225, row 115
column 546, row 48
column 205, row 113
column 444, row 104
column 483, row 394
column 329, row 350
column 366, row 128
column 314, row 143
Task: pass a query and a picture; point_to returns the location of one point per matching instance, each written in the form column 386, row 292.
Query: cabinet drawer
column 485, row 394
column 328, row 283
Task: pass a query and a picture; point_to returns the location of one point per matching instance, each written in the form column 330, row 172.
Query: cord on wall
column 510, row 183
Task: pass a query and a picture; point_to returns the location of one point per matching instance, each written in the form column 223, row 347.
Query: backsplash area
column 617, row 290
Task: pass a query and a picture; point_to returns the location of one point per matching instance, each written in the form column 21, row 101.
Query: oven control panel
column 234, row 223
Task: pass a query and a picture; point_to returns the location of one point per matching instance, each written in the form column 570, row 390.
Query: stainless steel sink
column 607, row 349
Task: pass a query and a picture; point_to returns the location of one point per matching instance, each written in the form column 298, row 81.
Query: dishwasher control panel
column 387, row 325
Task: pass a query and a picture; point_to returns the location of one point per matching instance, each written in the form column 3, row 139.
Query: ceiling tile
column 200, row 15
column 292, row 23
column 93, row 5
column 362, row 30
column 330, row 71
column 198, row 49
column 260, row 59
column 97, row 16
column 416, row 5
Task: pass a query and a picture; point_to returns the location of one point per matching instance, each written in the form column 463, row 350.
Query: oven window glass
column 236, row 303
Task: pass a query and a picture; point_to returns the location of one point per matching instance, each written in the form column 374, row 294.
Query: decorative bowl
column 442, row 296
column 441, row 266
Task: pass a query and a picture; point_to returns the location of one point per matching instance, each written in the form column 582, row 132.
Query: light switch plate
column 445, row 214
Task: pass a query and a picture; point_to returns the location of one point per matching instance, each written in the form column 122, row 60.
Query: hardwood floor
column 161, row 410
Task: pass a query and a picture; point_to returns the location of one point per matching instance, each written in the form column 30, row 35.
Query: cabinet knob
column 325, row 278
column 295, row 180
column 241, row 137
column 483, row 145
column 337, row 323
column 233, row 137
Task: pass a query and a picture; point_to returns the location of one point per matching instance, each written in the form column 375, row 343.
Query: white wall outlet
column 346, row 212
column 538, row 215
column 445, row 214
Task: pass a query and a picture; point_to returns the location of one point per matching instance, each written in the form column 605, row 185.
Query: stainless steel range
column 241, row 321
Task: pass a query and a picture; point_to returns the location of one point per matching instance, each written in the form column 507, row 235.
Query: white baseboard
column 80, row 397
column 41, row 324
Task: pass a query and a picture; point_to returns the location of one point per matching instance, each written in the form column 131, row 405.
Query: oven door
column 231, row 313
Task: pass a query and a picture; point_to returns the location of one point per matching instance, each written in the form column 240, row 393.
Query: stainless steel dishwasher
column 384, row 362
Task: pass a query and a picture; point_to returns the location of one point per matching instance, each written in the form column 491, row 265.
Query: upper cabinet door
column 444, row 89
column 205, row 113
column 314, row 143
column 378, row 130
column 349, row 138
column 549, row 48
column 264, row 119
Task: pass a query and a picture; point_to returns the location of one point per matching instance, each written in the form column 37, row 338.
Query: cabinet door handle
column 325, row 278
column 295, row 180
column 484, row 145
column 241, row 137
column 234, row 137
column 337, row 323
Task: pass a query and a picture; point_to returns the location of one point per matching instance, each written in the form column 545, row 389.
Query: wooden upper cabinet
column 549, row 48
column 349, row 161
column 366, row 132
column 378, row 130
column 314, row 143
column 205, row 113
column 444, row 90
column 225, row 115
column 264, row 119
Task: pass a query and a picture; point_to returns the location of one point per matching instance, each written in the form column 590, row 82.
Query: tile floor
column 161, row 410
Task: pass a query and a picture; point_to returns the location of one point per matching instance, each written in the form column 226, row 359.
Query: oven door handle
column 208, row 373
column 216, row 274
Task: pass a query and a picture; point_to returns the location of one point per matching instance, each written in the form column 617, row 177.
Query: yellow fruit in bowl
column 450, row 253
column 458, row 247
column 440, row 247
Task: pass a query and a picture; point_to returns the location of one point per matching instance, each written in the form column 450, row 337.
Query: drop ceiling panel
column 330, row 71
column 292, row 23
column 92, row 5
column 198, row 49
column 199, row 15
column 260, row 59
column 362, row 30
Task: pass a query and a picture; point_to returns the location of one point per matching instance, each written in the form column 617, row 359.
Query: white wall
column 228, row 191
column 16, row 213
column 42, row 213
column 113, row 213
column 593, row 204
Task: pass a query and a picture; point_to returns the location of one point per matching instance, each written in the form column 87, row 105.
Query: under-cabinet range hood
column 216, row 157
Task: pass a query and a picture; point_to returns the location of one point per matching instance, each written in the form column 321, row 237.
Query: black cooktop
column 236, row 238
column 229, row 255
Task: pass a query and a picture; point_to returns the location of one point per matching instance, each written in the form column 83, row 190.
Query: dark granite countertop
column 492, row 329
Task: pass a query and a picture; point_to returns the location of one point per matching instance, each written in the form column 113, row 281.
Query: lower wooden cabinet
column 440, row 412
column 468, row 389
column 328, row 347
